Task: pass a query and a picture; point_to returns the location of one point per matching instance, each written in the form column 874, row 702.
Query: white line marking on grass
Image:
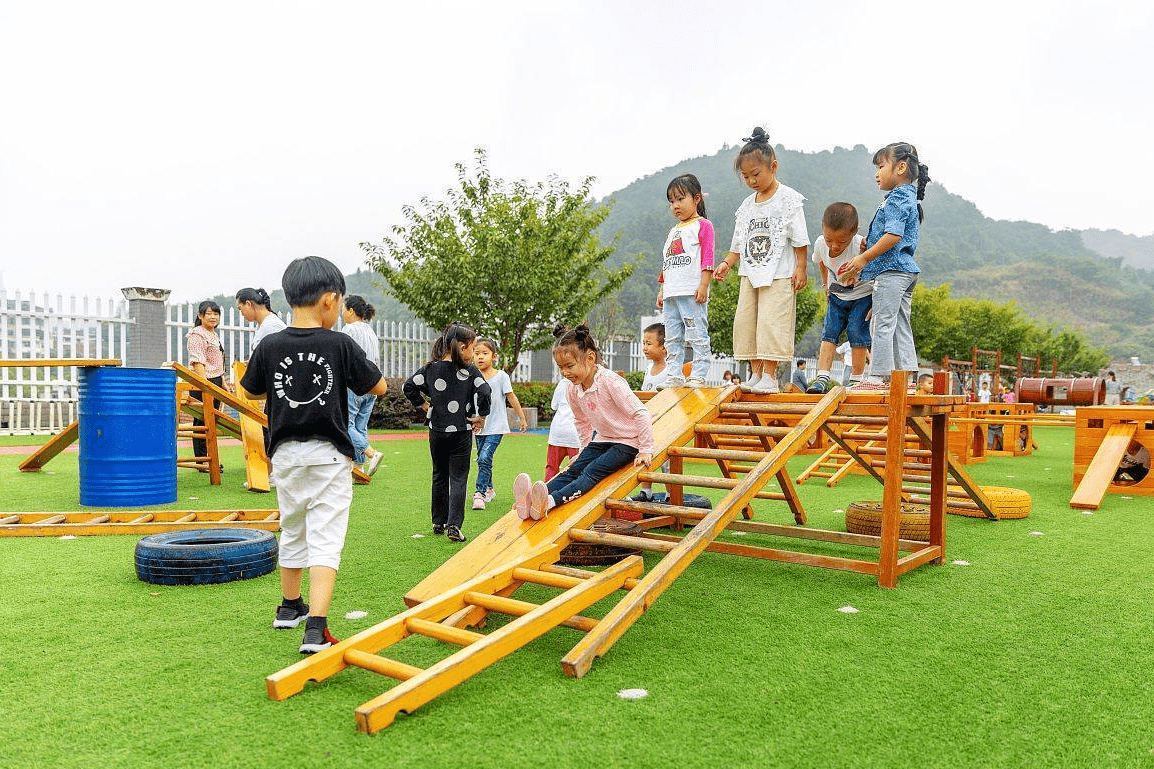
column 960, row 563
column 848, row 610
column 358, row 614
column 632, row 694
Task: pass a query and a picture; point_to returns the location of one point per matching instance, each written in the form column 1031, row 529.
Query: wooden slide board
column 1089, row 494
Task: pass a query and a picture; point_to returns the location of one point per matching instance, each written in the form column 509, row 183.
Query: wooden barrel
column 1084, row 391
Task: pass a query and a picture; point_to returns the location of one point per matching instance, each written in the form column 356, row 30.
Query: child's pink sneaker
column 539, row 500
column 522, row 485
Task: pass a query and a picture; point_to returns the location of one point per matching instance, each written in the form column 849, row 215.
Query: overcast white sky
column 201, row 146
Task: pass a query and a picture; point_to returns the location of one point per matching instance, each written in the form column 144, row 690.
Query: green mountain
column 1089, row 281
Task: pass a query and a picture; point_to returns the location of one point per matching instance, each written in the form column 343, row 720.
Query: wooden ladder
column 448, row 615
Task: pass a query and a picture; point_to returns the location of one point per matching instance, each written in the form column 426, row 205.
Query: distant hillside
column 1135, row 251
column 1053, row 275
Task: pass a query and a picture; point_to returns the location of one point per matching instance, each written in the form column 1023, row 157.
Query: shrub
column 538, row 395
column 635, row 379
column 393, row 411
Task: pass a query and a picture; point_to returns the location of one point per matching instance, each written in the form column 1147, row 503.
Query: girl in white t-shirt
column 563, row 439
column 771, row 242
column 497, row 423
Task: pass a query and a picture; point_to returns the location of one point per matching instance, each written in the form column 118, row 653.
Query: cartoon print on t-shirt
column 303, row 379
column 675, row 255
column 765, row 239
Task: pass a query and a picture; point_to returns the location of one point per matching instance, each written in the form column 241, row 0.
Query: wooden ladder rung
column 715, row 429
column 446, row 633
column 8, row 519
column 952, row 492
column 582, row 574
column 705, row 482
column 147, row 517
column 621, row 540
column 516, row 608
column 723, row 454
column 882, row 450
column 382, row 665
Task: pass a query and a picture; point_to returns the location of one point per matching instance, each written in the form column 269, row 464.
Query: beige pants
column 764, row 324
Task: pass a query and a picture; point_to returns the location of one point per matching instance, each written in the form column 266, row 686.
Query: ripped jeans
column 686, row 321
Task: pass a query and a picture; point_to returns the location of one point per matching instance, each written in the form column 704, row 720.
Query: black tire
column 866, row 518
column 205, row 556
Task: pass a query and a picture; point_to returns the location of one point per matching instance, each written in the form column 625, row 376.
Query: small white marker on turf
column 1087, row 512
column 417, row 536
column 740, row 533
column 632, row 694
column 1009, row 476
column 1037, row 533
column 1127, row 497
column 194, row 497
column 848, row 610
column 358, row 614
column 960, row 563
column 68, row 536
column 839, row 511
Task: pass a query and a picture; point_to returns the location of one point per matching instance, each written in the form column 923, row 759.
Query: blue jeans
column 596, row 462
column 360, row 408
column 848, row 316
column 893, row 336
column 486, row 448
column 687, row 321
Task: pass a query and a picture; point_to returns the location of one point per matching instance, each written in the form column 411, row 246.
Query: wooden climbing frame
column 452, row 603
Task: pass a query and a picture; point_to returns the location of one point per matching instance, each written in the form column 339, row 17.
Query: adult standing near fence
column 256, row 307
column 356, row 315
column 205, row 357
column 1113, row 390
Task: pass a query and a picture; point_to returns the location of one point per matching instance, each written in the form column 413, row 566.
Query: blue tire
column 205, row 556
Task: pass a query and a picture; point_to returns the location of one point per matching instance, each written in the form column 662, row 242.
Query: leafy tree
column 723, row 307
column 510, row 258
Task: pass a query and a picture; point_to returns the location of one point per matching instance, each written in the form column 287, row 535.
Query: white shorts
column 314, row 490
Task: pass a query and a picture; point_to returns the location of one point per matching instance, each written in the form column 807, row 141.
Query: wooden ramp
column 1100, row 473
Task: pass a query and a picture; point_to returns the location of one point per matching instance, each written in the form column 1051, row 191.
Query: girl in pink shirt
column 603, row 402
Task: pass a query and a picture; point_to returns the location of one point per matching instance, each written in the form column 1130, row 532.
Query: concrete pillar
column 146, row 336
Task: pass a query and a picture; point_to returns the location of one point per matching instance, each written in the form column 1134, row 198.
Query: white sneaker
column 673, row 381
column 478, row 501
column 767, row 385
column 754, row 381
column 871, row 384
column 490, row 495
column 695, row 382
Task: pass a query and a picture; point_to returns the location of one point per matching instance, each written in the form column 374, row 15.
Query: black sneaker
column 454, row 534
column 642, row 496
column 290, row 615
column 438, row 529
column 317, row 637
column 819, row 387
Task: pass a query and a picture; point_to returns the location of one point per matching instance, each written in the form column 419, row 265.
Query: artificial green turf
column 1037, row 654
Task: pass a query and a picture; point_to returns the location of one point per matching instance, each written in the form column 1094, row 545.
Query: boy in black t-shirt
column 305, row 372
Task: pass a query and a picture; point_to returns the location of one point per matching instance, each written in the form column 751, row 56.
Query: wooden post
column 892, row 493
column 210, row 437
column 938, row 478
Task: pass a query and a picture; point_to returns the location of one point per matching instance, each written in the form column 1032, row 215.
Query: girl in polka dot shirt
column 445, row 388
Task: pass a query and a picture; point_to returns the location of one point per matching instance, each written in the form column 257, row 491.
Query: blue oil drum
column 127, row 436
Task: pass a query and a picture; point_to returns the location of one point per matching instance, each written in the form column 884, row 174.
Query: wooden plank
column 579, row 659
column 784, row 556
column 51, row 448
column 1100, row 473
column 618, row 540
column 256, row 465
column 218, row 393
column 955, row 469
column 420, row 689
column 674, row 411
column 919, row 557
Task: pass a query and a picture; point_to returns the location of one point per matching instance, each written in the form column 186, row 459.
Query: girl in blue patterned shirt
column 888, row 260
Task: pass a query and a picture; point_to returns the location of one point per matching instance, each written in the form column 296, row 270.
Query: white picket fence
column 44, row 400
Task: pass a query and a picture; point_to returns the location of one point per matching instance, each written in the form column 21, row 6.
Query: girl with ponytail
column 887, row 259
column 255, row 306
column 601, row 401
column 446, row 388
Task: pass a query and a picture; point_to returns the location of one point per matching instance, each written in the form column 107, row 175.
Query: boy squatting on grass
column 305, row 372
